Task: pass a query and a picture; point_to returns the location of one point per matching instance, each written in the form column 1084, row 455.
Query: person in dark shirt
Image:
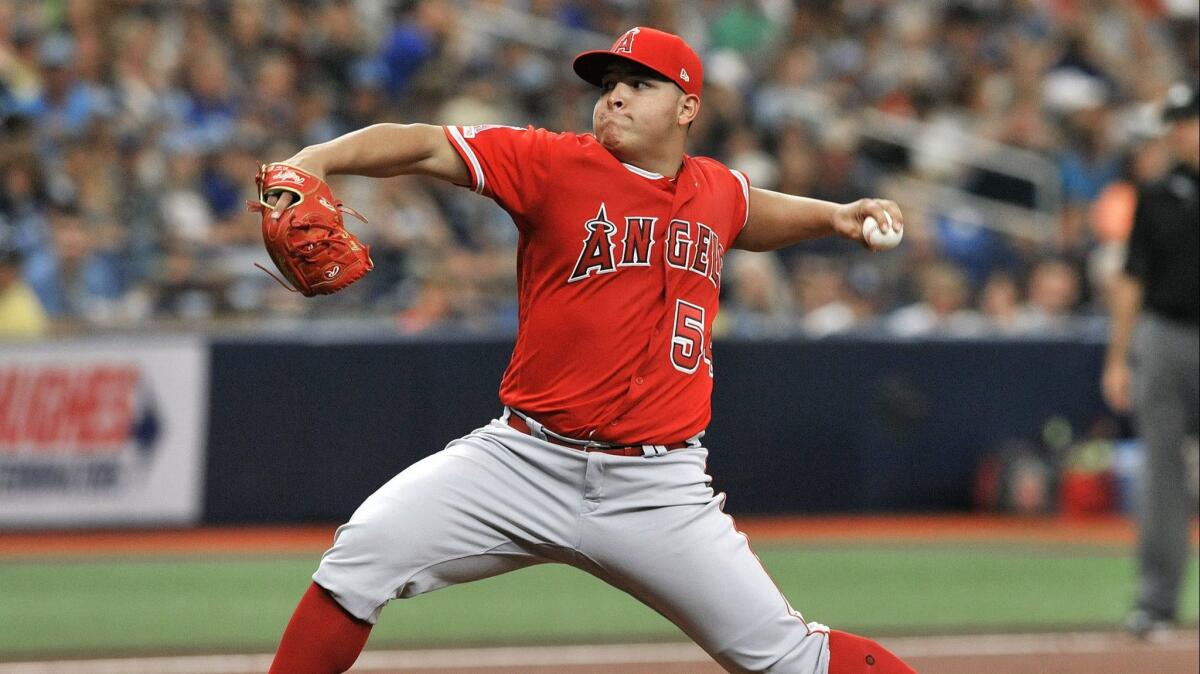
column 1155, row 369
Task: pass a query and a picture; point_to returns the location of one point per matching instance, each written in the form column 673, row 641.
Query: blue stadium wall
column 304, row 431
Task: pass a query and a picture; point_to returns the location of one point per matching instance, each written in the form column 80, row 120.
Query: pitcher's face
column 637, row 110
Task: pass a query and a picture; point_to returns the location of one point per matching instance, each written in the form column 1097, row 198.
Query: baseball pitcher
column 597, row 459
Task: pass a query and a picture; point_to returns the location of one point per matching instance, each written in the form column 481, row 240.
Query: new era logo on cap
column 664, row 53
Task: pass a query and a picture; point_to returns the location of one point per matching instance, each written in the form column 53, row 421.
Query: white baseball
column 877, row 239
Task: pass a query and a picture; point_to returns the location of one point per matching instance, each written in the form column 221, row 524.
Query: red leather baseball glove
column 309, row 243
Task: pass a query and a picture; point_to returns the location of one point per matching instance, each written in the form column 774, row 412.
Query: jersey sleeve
column 1139, row 238
column 732, row 189
column 508, row 164
column 741, row 212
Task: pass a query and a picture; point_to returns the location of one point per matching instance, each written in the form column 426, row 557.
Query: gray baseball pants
column 498, row 500
column 1166, row 381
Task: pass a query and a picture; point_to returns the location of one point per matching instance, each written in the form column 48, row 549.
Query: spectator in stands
column 828, row 308
column 364, row 105
column 432, row 308
column 1000, row 303
column 1089, row 163
column 743, row 27
column 276, row 99
column 761, row 303
column 75, row 277
column 943, row 309
column 20, row 80
column 205, row 112
column 185, row 210
column 793, row 93
column 1053, row 294
column 425, row 33
column 68, row 105
column 798, row 167
column 21, row 315
column 408, row 232
column 745, row 153
column 184, row 288
column 139, row 80
column 22, row 203
column 339, row 44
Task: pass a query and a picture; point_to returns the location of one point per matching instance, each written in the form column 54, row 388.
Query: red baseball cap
column 664, row 53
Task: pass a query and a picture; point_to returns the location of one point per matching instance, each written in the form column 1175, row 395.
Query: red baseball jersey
column 618, row 277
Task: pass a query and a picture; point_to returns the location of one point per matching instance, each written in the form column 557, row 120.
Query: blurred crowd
column 130, row 132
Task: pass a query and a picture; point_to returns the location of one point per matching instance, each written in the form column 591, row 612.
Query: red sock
column 852, row 654
column 321, row 638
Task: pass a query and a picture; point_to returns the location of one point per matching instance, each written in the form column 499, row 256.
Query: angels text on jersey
column 688, row 246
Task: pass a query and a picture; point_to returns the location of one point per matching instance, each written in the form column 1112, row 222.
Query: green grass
column 231, row 603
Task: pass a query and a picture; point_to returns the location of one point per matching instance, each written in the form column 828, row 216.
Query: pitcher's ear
column 689, row 108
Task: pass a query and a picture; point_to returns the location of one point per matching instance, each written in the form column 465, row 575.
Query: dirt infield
column 839, row 529
column 1074, row 653
column 1085, row 653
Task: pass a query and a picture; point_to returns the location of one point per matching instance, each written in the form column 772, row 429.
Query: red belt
column 620, row 450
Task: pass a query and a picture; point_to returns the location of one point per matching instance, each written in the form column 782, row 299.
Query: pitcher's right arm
column 383, row 151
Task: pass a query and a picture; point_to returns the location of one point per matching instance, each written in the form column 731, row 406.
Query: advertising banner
column 102, row 432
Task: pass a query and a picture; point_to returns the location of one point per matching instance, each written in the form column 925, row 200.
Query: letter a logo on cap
column 625, row 44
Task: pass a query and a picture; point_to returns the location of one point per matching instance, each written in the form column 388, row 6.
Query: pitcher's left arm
column 778, row 220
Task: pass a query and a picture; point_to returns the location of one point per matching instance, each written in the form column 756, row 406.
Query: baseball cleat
column 852, row 654
column 1148, row 625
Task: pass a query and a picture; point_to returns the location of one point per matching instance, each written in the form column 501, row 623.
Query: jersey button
column 639, row 381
